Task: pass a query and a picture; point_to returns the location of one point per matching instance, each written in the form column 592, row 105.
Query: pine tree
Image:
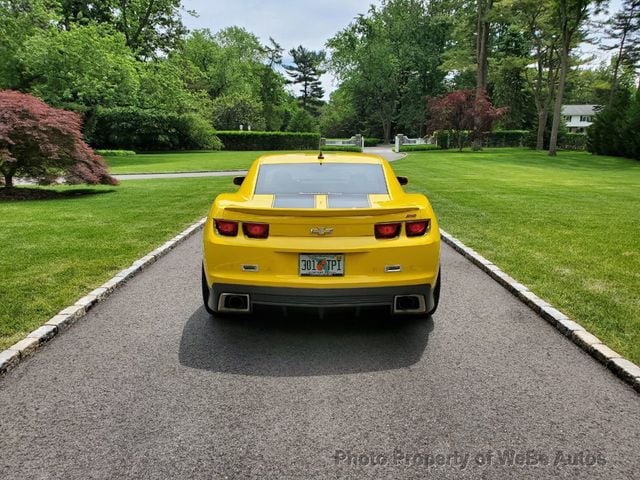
column 624, row 29
column 306, row 71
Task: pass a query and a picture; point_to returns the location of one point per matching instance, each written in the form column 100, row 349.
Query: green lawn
column 182, row 161
column 56, row 251
column 567, row 227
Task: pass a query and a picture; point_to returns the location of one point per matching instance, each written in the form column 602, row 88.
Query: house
column 578, row 117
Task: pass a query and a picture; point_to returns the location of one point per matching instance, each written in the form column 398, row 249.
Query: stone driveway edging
column 64, row 319
column 620, row 366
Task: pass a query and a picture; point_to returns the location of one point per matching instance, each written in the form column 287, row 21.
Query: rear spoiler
column 322, row 212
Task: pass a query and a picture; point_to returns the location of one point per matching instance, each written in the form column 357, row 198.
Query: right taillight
column 417, row 229
column 226, row 228
column 387, row 230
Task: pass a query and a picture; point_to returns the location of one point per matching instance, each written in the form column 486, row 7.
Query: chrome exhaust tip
column 234, row 302
column 409, row 304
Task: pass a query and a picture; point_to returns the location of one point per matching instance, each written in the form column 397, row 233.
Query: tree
column 569, row 16
column 483, row 27
column 535, row 17
column 21, row 19
column 150, row 27
column 624, row 30
column 231, row 111
column 462, row 111
column 81, row 68
column 389, row 59
column 306, row 71
column 39, row 141
column 302, row 121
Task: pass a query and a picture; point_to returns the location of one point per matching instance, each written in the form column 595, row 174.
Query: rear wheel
column 205, row 293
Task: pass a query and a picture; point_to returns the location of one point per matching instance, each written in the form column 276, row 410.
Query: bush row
column 341, row 148
column 139, row 129
column 507, row 138
column 499, row 138
column 115, row 153
column 244, row 140
column 371, row 141
column 418, row 148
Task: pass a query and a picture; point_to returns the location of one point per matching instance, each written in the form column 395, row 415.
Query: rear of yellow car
column 332, row 232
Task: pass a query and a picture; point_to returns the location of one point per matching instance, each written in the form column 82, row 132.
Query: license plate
column 321, row 265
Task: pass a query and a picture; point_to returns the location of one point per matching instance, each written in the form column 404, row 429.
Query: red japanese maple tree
column 461, row 111
column 39, row 142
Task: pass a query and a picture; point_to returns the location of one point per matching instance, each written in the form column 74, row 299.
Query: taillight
column 227, row 228
column 387, row 230
column 256, row 230
column 417, row 229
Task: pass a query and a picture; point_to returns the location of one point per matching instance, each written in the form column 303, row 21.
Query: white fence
column 355, row 141
column 404, row 140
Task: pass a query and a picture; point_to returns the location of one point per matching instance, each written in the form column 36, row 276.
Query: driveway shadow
column 301, row 344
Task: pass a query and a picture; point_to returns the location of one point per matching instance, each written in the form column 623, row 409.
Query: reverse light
column 417, row 229
column 227, row 228
column 256, row 230
column 387, row 230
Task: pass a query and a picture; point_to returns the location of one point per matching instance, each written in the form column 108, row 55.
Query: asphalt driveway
column 149, row 386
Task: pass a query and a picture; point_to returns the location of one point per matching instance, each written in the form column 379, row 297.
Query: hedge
column 371, row 141
column 507, row 138
column 115, row 153
column 573, row 141
column 499, row 138
column 341, row 148
column 132, row 128
column 418, row 148
column 244, row 140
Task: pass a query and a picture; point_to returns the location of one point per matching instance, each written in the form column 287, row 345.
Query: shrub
column 341, row 148
column 418, row 148
column 243, row 140
column 133, row 128
column 615, row 128
column 231, row 111
column 371, row 141
column 115, row 153
column 42, row 142
column 302, row 121
column 505, row 138
column 573, row 141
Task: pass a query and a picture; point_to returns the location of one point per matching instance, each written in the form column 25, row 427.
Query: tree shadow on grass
column 29, row 193
column 302, row 343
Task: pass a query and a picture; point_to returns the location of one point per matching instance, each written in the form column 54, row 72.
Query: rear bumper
column 383, row 297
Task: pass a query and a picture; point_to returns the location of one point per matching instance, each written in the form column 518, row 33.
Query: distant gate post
column 398, row 142
column 359, row 141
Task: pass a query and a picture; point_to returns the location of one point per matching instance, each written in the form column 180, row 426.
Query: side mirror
column 238, row 180
column 403, row 180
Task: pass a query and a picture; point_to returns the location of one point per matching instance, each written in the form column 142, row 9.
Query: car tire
column 436, row 295
column 206, row 293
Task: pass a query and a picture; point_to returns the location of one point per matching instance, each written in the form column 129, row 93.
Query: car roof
column 313, row 158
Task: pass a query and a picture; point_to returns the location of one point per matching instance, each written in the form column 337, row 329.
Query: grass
column 182, row 161
column 55, row 251
column 567, row 227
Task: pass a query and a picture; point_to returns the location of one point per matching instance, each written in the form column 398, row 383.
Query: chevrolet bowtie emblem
column 321, row 230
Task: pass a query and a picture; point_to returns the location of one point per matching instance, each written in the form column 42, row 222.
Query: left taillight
column 256, row 230
column 226, row 228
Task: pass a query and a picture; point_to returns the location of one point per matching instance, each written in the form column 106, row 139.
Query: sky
column 289, row 22
column 298, row 22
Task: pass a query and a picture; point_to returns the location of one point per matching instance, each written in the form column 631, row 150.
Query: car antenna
column 320, row 155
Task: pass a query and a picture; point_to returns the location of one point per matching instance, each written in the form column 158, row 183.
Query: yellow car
column 321, row 231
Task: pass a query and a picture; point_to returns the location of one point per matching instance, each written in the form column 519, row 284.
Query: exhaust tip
column 234, row 302
column 409, row 304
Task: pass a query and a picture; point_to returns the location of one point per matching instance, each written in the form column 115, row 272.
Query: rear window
column 327, row 179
